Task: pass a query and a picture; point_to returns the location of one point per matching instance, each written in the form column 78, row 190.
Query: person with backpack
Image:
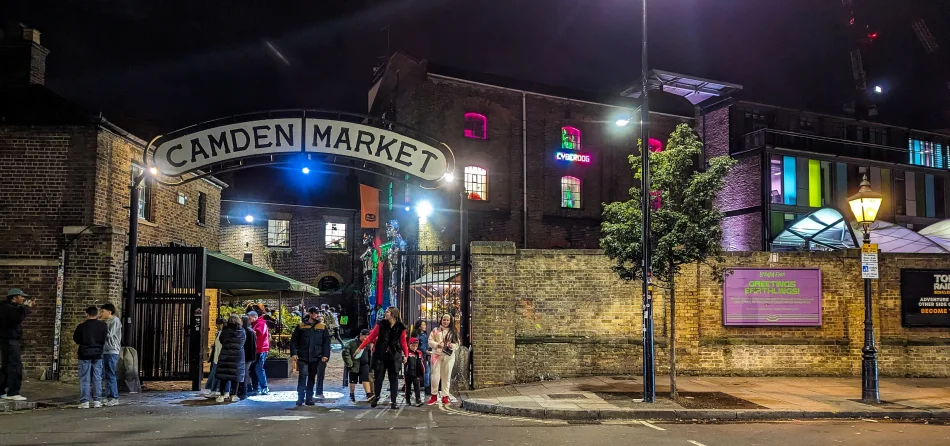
column 91, row 336
column 310, row 347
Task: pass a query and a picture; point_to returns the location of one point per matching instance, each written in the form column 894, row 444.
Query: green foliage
column 686, row 228
column 226, row 310
column 288, row 321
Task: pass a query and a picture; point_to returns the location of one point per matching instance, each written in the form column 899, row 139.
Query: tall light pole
column 865, row 205
column 649, row 372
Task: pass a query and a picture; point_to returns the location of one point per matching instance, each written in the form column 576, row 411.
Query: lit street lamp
column 865, row 205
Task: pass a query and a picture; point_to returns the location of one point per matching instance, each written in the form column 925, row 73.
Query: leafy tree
column 685, row 227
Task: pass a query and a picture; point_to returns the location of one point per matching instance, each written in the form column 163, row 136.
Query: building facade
column 792, row 162
column 65, row 178
column 535, row 163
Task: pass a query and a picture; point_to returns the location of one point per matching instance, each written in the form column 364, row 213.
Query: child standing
column 415, row 370
column 91, row 337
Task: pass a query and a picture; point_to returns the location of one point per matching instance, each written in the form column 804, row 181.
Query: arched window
column 476, row 126
column 476, row 183
column 570, row 192
column 655, row 145
column 570, row 138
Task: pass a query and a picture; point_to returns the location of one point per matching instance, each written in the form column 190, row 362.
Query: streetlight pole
column 649, row 372
column 865, row 205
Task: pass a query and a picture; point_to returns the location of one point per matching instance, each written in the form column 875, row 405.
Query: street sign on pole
column 869, row 268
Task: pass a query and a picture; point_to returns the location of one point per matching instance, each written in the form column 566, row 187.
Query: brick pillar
column 493, row 307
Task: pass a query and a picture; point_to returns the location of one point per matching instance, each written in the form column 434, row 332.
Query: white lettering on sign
column 185, row 153
column 572, row 157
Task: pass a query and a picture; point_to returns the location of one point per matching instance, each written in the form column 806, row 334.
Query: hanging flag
column 369, row 207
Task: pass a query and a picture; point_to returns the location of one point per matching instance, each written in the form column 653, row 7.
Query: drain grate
column 567, row 396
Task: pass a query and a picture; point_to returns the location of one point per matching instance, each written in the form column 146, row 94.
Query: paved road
column 177, row 418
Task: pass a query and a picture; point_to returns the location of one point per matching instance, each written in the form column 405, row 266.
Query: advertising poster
column 772, row 297
column 925, row 297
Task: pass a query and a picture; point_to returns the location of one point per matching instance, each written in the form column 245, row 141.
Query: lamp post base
column 870, row 393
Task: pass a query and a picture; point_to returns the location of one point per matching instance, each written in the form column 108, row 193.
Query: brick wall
column 558, row 313
column 38, row 278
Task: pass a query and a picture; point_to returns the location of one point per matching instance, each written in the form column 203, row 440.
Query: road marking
column 363, row 414
column 284, row 418
column 695, row 443
column 652, row 426
column 451, row 411
column 399, row 412
column 381, row 412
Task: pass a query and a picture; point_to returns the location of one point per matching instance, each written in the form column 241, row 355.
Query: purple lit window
column 476, row 126
column 655, row 145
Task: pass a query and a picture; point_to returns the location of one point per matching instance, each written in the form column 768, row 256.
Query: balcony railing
column 770, row 138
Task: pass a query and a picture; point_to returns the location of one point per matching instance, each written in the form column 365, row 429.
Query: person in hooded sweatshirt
column 110, row 353
column 91, row 336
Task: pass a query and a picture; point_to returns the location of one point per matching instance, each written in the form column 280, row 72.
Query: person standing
column 110, row 353
column 250, row 356
column 13, row 311
column 419, row 331
column 258, row 377
column 310, row 346
column 91, row 335
column 414, row 371
column 443, row 341
column 211, row 386
column 329, row 317
column 389, row 335
column 358, row 367
column 231, row 364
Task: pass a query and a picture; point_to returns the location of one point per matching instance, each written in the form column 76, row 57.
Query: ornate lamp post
column 865, row 205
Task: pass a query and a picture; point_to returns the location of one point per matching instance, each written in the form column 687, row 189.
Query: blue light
column 249, row 219
column 305, row 170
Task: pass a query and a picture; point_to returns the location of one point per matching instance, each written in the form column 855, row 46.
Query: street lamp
column 865, row 205
column 249, row 218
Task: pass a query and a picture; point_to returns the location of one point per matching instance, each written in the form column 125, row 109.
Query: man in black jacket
column 13, row 311
column 310, row 350
column 91, row 337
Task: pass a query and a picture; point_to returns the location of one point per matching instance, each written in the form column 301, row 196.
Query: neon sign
column 572, row 157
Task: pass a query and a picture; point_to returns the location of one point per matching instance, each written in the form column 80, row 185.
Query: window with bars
column 476, row 126
column 145, row 194
column 570, row 138
column 570, row 192
column 476, row 183
column 278, row 233
column 335, row 236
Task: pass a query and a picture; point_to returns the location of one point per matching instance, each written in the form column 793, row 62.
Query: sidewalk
column 720, row 398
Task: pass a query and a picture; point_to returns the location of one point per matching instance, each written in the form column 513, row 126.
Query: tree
column 685, row 226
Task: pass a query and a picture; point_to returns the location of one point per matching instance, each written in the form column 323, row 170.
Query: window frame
column 331, row 226
column 274, row 234
column 202, row 208
column 478, row 186
column 570, row 138
column 146, row 194
column 470, row 133
column 567, row 181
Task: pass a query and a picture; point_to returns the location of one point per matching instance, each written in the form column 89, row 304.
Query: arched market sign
column 388, row 144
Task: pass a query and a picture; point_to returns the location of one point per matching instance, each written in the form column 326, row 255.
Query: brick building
column 65, row 176
column 792, row 162
column 536, row 162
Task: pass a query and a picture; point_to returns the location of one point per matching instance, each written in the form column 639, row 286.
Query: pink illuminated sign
column 572, row 157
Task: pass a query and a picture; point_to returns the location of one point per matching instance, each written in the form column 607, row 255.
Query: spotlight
column 622, row 122
column 878, row 89
column 153, row 171
column 449, row 177
column 249, row 218
column 305, row 170
column 424, row 209
column 407, row 208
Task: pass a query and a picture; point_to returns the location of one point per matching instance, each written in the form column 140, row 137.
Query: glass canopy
column 827, row 230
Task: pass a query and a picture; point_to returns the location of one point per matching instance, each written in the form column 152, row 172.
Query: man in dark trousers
column 310, row 351
column 13, row 311
column 91, row 336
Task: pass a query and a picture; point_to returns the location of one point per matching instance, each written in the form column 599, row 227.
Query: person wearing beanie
column 110, row 352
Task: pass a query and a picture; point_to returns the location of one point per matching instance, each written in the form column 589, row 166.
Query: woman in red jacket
column 391, row 350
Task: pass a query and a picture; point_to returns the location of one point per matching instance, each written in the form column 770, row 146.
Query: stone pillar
column 493, row 307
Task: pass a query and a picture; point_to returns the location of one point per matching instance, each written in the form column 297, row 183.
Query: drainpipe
column 524, row 164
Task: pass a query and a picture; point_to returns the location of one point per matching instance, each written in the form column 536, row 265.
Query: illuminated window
column 335, row 236
column 476, row 183
column 926, row 153
column 278, row 233
column 570, row 192
column 476, row 126
column 570, row 138
column 145, row 194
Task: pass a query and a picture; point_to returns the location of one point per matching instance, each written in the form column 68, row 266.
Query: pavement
column 715, row 398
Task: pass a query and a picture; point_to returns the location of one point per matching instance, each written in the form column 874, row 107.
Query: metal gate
column 433, row 283
column 168, row 324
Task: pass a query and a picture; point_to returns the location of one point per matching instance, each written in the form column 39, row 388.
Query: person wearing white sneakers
column 91, row 336
column 231, row 360
column 13, row 311
column 110, row 353
column 442, row 342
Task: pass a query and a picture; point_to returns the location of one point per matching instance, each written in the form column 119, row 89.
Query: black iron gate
column 431, row 284
column 168, row 322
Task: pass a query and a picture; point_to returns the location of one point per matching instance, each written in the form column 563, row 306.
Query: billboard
column 772, row 297
column 925, row 297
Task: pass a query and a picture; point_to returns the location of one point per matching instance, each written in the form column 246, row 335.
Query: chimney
column 22, row 58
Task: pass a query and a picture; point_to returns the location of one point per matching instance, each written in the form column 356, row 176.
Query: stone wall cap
column 92, row 229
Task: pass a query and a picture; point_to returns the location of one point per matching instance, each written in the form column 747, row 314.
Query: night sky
column 156, row 65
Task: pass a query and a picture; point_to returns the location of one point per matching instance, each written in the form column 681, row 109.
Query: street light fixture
column 249, row 218
column 424, row 209
column 865, row 205
column 622, row 122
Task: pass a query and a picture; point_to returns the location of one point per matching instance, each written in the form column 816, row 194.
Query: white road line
column 381, row 413
column 652, row 426
column 696, row 443
column 399, row 412
column 363, row 414
column 432, row 423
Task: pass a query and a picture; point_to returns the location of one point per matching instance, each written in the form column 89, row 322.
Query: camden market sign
column 187, row 151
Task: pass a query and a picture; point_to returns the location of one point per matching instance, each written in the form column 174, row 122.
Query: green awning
column 237, row 277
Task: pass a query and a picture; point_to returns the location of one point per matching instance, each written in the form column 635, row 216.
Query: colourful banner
column 776, row 297
column 369, row 207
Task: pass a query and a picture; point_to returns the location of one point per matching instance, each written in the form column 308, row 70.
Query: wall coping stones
column 566, row 339
column 705, row 342
column 914, row 342
column 493, row 248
